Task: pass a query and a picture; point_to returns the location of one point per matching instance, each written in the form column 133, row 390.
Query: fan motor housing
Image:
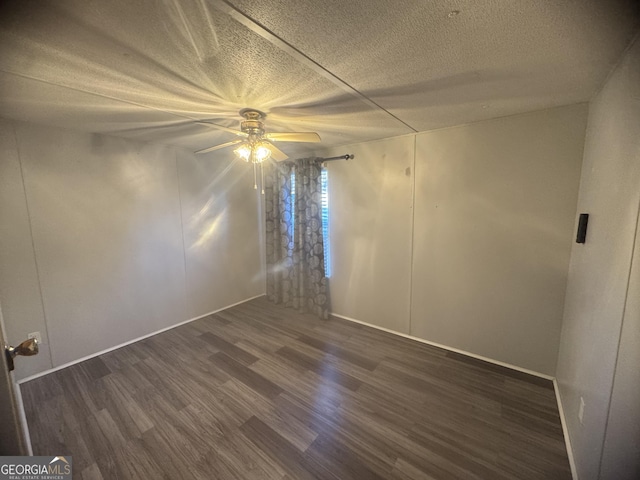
column 252, row 126
column 252, row 123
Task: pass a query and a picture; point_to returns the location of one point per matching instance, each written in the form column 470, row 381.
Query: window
column 292, row 200
column 324, row 182
column 293, row 195
column 324, row 186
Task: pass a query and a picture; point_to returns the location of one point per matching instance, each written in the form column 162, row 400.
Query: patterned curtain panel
column 295, row 252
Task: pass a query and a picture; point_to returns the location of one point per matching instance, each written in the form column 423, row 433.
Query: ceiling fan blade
column 309, row 137
column 277, row 154
column 226, row 129
column 216, row 147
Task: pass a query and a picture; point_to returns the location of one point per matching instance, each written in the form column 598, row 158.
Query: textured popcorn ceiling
column 351, row 70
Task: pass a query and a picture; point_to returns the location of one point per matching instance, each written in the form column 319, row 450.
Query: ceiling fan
column 255, row 145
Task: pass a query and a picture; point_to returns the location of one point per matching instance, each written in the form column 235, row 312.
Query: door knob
column 26, row 349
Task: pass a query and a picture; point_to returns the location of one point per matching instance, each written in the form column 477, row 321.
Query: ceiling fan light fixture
column 243, row 152
column 261, row 152
column 256, row 152
column 255, row 147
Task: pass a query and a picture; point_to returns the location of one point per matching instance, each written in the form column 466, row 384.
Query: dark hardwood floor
column 261, row 392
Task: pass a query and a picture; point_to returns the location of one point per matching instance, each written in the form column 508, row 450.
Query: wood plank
column 284, row 424
column 508, row 372
column 92, row 472
column 324, row 369
column 340, row 460
column 340, row 352
column 229, row 348
column 245, row 375
column 295, row 463
column 261, row 392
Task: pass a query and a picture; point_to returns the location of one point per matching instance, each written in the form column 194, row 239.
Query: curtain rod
column 322, row 160
column 340, row 157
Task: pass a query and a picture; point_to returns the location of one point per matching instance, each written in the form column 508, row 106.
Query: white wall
column 598, row 287
column 96, row 253
column 222, row 231
column 621, row 451
column 19, row 286
column 495, row 206
column 482, row 264
column 370, row 202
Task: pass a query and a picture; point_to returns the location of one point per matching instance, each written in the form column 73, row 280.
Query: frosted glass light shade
column 243, row 152
column 261, row 153
column 253, row 152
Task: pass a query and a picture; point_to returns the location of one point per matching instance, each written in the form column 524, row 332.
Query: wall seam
column 624, row 311
column 575, row 227
column 412, row 237
column 184, row 248
column 33, row 245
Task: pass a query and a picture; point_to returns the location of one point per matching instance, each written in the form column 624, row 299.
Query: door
column 12, row 439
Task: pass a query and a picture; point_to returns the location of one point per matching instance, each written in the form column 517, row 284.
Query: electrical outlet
column 37, row 336
column 581, row 410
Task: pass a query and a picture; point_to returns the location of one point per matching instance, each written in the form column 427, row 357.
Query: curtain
column 295, row 251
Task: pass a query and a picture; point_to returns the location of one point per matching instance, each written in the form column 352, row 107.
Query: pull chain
column 262, row 177
column 255, row 177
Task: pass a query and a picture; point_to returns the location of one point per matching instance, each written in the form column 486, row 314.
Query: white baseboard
column 23, row 420
column 129, row 342
column 565, row 431
column 451, row 349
